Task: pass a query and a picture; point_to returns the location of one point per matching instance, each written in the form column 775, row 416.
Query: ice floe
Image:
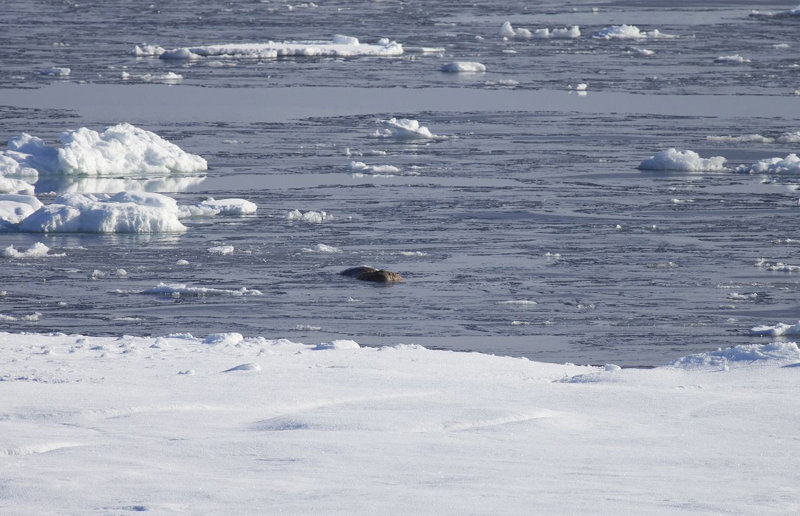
column 322, row 248
column 360, row 166
column 629, row 32
column 56, row 71
column 125, row 212
column 213, row 207
column 508, row 31
column 732, row 59
column 223, row 250
column 761, row 263
column 14, row 208
column 34, row 317
column 640, row 51
column 15, row 186
column 776, row 330
column 404, row 129
column 776, row 14
column 463, row 67
column 37, row 250
column 339, row 46
column 788, row 165
column 119, row 149
column 740, row 355
column 312, row 217
column 686, row 161
column 182, row 290
column 169, row 77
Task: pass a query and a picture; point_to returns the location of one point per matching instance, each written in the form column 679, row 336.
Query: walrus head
column 372, row 274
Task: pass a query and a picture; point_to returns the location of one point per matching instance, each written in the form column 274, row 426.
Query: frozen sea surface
column 533, row 194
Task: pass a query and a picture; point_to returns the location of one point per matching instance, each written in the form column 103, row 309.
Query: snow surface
column 233, row 424
column 686, row 161
column 339, row 46
column 463, row 67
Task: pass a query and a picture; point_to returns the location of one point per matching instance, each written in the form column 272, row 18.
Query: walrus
column 372, row 274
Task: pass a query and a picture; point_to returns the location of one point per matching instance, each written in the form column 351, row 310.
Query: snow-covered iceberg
column 119, row 149
column 686, row 161
column 339, row 46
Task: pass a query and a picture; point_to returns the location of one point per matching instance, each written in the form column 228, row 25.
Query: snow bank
column 219, row 207
column 16, row 207
column 339, row 46
column 125, row 212
column 629, row 32
column 732, row 59
column 741, row 355
column 404, row 129
column 788, row 165
column 119, row 149
column 686, row 161
column 508, row 31
column 312, row 217
column 182, row 290
column 37, row 250
column 463, row 67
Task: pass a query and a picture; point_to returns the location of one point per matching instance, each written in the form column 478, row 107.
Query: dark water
column 520, row 203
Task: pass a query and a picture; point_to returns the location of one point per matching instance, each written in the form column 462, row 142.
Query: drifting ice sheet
column 629, row 32
column 788, row 165
column 686, row 161
column 404, row 129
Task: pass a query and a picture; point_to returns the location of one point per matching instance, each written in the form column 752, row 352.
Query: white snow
column 34, row 317
column 788, row 165
column 56, row 71
column 312, row 217
column 15, row 186
column 339, row 46
column 404, row 129
column 183, row 290
column 16, row 207
column 629, row 32
column 37, row 250
column 125, row 212
column 223, row 250
column 119, row 149
column 686, row 161
column 463, row 67
column 231, row 423
column 732, row 59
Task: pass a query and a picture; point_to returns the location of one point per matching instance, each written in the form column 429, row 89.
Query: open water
column 533, row 196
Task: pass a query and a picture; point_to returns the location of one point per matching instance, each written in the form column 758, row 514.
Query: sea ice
column 687, row 161
column 56, row 71
column 182, row 290
column 14, row 208
column 732, row 59
column 313, row 217
column 776, row 330
column 404, row 129
column 508, row 31
column 213, row 207
column 776, row 14
column 125, row 212
column 463, row 67
column 788, row 165
column 740, row 355
column 15, row 186
column 339, row 46
column 119, row 149
column 223, row 339
column 223, row 250
column 37, row 250
column 322, row 248
column 629, row 32
column 360, row 166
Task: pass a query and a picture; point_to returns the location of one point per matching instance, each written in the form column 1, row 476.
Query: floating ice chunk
column 404, row 129
column 743, row 297
column 339, row 46
column 213, row 207
column 223, row 339
column 789, row 137
column 223, row 250
column 732, row 59
column 687, row 161
column 522, row 302
column 745, row 138
column 182, row 290
column 777, row 330
column 15, row 186
column 338, row 344
column 463, row 67
column 360, row 166
column 776, row 14
column 507, row 31
column 120, row 149
column 788, row 165
column 413, row 253
column 169, row 77
column 147, row 50
column 629, row 32
column 125, row 212
column 322, row 248
column 56, row 71
column 37, row 250
column 14, row 208
column 34, row 317
column 313, row 217
column 740, row 355
column 640, row 51
column 776, row 266
column 182, row 263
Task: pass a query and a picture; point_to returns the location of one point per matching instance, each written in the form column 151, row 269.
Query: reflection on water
column 69, row 184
